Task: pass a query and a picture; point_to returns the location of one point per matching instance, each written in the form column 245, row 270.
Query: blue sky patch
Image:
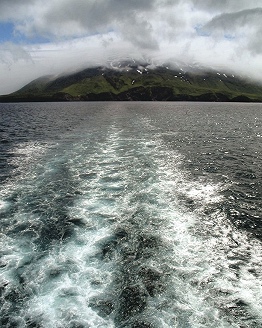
column 229, row 37
column 9, row 34
column 6, row 32
column 200, row 31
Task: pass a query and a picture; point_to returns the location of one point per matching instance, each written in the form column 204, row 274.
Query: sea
column 131, row 214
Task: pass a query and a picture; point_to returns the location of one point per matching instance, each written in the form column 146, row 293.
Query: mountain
column 136, row 81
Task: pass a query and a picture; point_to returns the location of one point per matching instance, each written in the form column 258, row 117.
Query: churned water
column 130, row 215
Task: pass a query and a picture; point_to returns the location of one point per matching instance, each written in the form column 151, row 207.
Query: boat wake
column 113, row 232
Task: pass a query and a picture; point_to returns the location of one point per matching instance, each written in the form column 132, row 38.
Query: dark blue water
column 130, row 215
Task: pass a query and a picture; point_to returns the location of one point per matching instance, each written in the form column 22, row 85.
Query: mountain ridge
column 135, row 81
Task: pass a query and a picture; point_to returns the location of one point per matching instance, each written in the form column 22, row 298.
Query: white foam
column 198, row 259
column 206, row 193
column 3, row 205
column 86, row 276
column 204, row 276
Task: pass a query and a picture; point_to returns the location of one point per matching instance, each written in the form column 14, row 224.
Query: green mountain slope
column 139, row 82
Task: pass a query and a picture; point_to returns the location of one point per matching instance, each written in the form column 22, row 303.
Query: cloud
column 245, row 26
column 81, row 33
column 14, row 9
column 65, row 18
column 231, row 22
column 11, row 53
column 16, row 67
column 214, row 6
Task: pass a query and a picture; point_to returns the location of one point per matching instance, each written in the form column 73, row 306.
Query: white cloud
column 81, row 33
column 11, row 53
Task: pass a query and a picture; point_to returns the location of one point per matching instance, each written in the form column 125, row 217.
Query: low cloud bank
column 220, row 34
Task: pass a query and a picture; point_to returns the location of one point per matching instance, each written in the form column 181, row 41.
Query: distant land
column 131, row 81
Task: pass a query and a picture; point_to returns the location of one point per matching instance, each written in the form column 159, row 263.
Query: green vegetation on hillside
column 139, row 83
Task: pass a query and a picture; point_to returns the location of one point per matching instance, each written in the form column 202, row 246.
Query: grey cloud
column 14, row 9
column 37, row 15
column 13, row 2
column 225, row 5
column 255, row 44
column 11, row 53
column 139, row 33
column 91, row 16
column 232, row 21
column 10, row 2
column 66, row 19
column 159, row 29
column 245, row 25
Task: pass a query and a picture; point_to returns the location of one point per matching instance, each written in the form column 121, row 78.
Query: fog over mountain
column 42, row 37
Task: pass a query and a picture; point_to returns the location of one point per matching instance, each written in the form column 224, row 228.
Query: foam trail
column 60, row 277
column 111, row 231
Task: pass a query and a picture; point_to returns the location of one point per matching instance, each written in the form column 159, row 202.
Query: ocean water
column 130, row 215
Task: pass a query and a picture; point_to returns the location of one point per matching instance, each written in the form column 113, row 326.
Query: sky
column 42, row 37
